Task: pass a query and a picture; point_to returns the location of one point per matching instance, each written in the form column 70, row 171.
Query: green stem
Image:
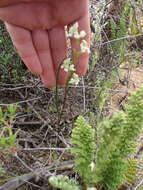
column 75, row 55
column 57, row 90
column 65, row 97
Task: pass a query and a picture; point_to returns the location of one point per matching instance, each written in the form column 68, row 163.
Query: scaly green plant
column 122, row 144
column 132, row 167
column 109, row 165
column 134, row 123
column 106, row 165
column 83, row 140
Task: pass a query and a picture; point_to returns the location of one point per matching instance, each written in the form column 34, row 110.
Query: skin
column 37, row 29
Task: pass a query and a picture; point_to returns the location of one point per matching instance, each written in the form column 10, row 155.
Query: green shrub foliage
column 133, row 125
column 83, row 141
column 132, row 167
column 117, row 141
column 106, row 165
column 109, row 164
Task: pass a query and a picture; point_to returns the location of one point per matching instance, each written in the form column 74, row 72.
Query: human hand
column 37, row 31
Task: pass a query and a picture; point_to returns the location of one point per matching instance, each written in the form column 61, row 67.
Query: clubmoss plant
column 107, row 165
column 132, row 168
column 83, row 149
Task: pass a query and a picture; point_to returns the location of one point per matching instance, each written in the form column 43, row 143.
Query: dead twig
column 141, row 183
column 20, row 180
column 44, row 148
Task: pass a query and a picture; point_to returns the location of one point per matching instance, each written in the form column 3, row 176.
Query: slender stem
column 57, row 90
column 65, row 97
column 75, row 55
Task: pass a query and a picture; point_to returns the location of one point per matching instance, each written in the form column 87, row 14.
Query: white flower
column 82, row 34
column 92, row 166
column 71, row 67
column 75, row 79
column 84, row 47
column 67, row 65
column 91, row 188
column 74, row 32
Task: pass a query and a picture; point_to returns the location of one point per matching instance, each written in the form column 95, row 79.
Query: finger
column 41, row 42
column 82, row 60
column 58, row 47
column 23, row 42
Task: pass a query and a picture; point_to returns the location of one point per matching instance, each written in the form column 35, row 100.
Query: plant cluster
column 106, row 164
